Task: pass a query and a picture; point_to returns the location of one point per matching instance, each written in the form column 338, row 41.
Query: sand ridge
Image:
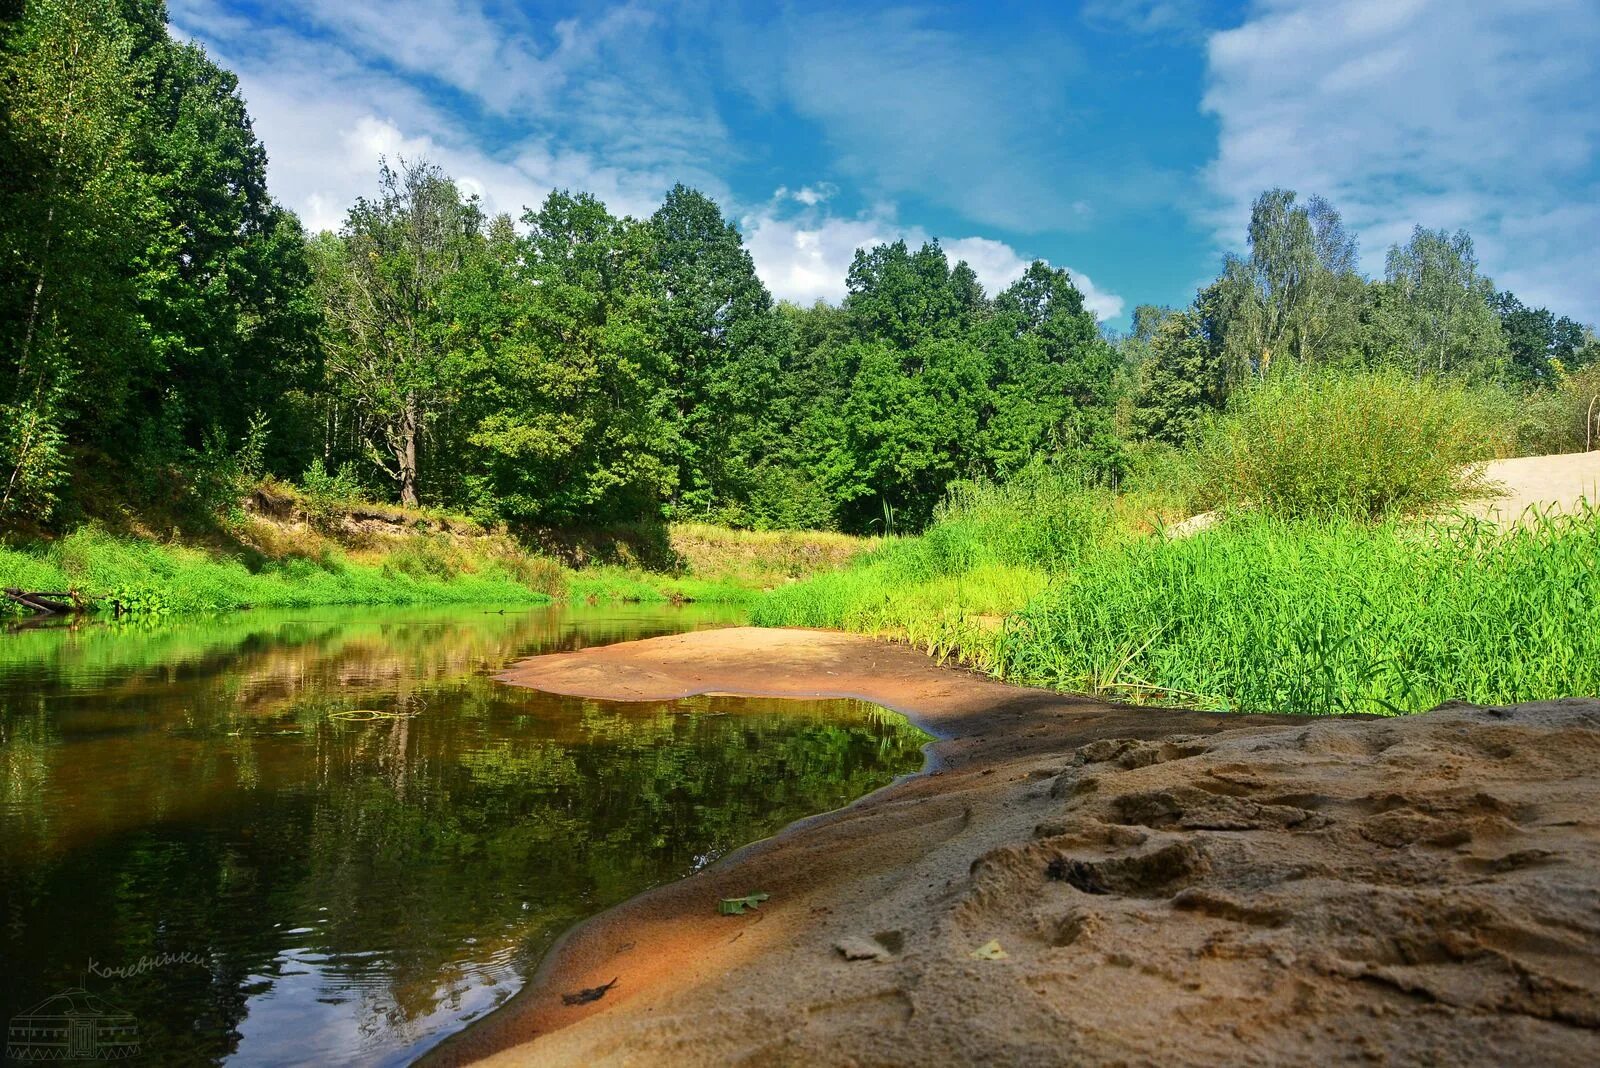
column 1167, row 887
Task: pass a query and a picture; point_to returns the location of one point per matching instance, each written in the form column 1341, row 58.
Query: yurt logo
column 73, row 1025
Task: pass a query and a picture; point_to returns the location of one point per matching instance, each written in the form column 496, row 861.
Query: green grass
column 1325, row 616
column 609, row 583
column 1044, row 582
column 990, row 550
column 150, row 577
column 296, row 570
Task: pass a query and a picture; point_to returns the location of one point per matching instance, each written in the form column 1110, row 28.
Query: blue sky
column 1122, row 139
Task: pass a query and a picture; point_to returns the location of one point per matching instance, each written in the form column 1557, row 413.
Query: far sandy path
column 1545, row 482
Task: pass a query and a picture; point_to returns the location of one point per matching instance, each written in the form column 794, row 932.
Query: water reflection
column 304, row 886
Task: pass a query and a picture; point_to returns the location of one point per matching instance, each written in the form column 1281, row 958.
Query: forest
column 170, row 332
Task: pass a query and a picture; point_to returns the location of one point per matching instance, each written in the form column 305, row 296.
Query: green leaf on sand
column 735, row 906
column 990, row 950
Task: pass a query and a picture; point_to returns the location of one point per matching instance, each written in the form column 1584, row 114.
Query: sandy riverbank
column 1168, row 887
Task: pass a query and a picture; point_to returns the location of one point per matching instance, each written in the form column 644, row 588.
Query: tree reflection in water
column 356, row 888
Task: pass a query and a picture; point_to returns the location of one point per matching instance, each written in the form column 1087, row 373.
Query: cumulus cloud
column 512, row 108
column 804, row 259
column 1444, row 113
column 328, row 104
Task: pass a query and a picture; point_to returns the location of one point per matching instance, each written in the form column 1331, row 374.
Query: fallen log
column 45, row 602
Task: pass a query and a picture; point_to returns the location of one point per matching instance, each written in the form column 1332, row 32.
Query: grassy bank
column 1320, row 588
column 291, row 549
column 1256, row 614
column 991, row 550
column 150, row 577
column 1324, row 616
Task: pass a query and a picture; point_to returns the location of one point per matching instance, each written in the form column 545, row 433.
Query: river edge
column 1166, row 885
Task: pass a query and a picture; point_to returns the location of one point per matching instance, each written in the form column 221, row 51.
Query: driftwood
column 44, row 602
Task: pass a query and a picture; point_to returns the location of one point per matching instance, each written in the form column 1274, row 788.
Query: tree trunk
column 408, row 454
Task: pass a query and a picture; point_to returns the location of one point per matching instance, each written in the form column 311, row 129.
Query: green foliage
column 324, row 495
column 1323, row 616
column 33, row 459
column 1564, row 417
column 570, row 414
column 1433, row 311
column 151, row 293
column 1182, row 377
column 389, row 287
column 725, row 343
column 1294, row 298
column 1541, row 346
column 1365, row 445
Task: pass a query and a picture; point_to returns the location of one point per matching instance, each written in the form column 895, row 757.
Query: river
column 329, row 836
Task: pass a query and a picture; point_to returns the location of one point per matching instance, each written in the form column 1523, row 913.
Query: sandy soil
column 1548, row 482
column 1166, row 887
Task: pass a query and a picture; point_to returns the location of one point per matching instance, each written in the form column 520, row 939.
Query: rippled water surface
column 328, row 837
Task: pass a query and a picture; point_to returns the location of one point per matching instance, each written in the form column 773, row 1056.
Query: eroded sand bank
column 1168, row 887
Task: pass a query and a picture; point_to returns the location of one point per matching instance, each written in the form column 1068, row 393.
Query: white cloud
column 1145, row 16
column 811, row 196
column 919, row 103
column 1445, row 113
column 805, row 259
column 327, row 106
column 512, row 110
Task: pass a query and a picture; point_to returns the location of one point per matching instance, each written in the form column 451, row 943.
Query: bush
column 33, row 461
column 1365, row 445
column 1564, row 418
column 325, row 496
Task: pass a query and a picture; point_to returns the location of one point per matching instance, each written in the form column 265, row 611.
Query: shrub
column 1563, row 418
column 1365, row 444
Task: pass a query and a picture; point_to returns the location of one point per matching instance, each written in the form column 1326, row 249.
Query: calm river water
column 327, row 837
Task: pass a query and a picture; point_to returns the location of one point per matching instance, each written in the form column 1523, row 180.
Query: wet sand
column 1166, row 887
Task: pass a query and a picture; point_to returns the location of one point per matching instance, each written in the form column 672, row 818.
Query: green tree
column 1183, row 378
column 225, row 281
column 1536, row 341
column 1297, row 296
column 726, row 345
column 1434, row 312
column 904, row 297
column 387, row 283
column 71, row 206
column 1051, row 377
column 576, row 421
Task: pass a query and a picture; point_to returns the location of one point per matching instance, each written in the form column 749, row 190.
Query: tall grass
column 1319, row 591
column 990, row 549
column 1368, row 444
column 1324, row 616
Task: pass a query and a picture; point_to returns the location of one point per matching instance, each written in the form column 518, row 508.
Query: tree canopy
column 164, row 322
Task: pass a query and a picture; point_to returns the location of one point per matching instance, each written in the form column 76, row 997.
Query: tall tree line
column 1297, row 299
column 162, row 320
column 575, row 367
column 153, row 296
